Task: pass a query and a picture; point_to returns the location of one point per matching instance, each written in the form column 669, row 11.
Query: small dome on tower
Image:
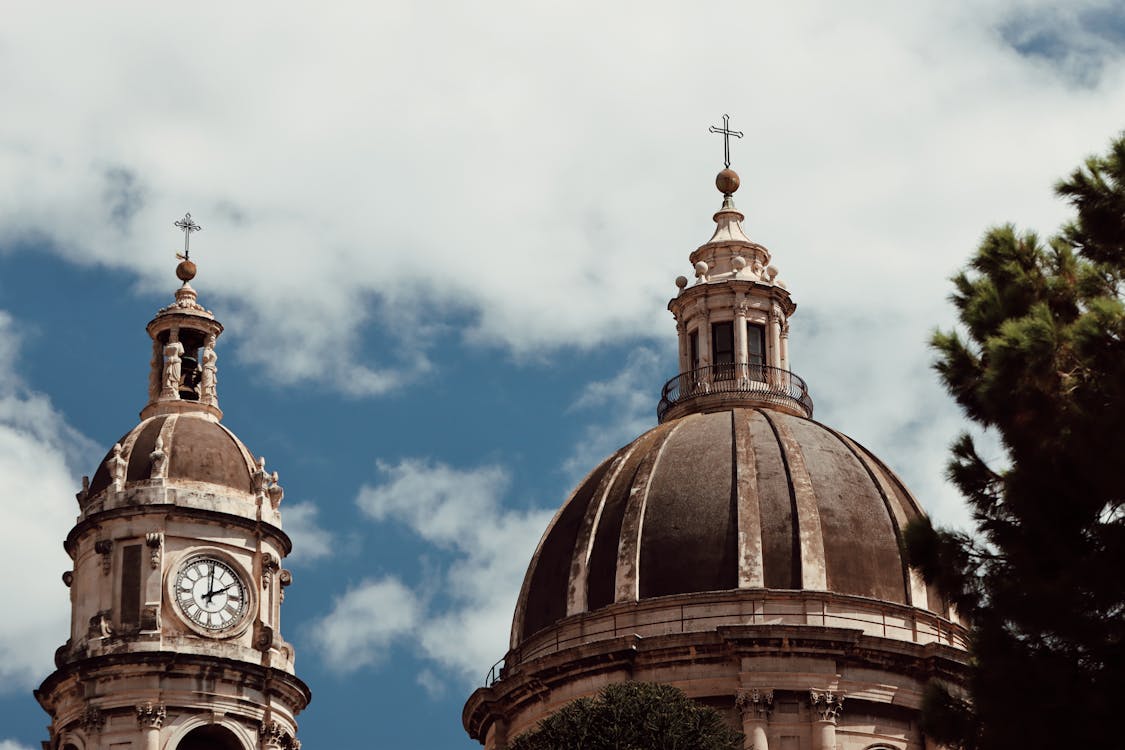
column 197, row 449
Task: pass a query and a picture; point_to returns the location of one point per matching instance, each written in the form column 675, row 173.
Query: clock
column 210, row 593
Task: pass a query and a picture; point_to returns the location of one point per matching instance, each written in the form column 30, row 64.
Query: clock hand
column 211, row 594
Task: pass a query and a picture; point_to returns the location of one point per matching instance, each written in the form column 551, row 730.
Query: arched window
column 211, row 737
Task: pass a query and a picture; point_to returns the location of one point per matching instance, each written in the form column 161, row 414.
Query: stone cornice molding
column 170, row 511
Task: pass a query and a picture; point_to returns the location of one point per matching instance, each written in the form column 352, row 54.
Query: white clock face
column 210, row 593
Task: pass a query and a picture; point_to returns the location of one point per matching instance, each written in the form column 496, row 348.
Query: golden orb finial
column 185, row 271
column 727, row 181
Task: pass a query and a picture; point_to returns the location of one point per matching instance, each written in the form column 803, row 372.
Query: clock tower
column 177, row 579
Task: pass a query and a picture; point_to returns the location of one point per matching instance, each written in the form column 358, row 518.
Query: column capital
column 93, row 720
column 826, row 704
column 151, row 715
column 755, row 703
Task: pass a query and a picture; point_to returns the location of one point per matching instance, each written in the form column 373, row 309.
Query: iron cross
column 187, row 225
column 727, row 133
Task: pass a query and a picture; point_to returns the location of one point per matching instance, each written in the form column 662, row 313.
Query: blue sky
column 442, row 238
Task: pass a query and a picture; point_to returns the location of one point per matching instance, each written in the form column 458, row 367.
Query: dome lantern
column 183, row 374
column 733, row 324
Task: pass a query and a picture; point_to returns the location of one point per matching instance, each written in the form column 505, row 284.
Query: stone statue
column 209, row 378
column 85, row 491
column 259, row 480
column 173, row 376
column 159, row 460
column 117, row 466
column 275, row 492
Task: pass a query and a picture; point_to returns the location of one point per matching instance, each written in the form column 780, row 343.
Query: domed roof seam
column 577, row 599
column 628, row 575
column 520, row 614
column 806, row 507
column 751, row 563
column 893, row 511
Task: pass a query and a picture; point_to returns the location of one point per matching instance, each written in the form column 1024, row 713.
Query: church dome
column 197, row 448
column 741, row 498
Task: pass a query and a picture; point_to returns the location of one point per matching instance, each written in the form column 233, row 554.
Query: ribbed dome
column 738, row 499
column 199, row 449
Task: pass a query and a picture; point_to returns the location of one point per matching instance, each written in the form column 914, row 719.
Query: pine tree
column 632, row 716
column 1039, row 360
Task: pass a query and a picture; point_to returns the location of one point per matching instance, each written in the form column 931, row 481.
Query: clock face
column 210, row 593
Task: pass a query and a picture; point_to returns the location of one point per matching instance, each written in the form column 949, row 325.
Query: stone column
column 755, row 705
column 150, row 718
column 785, row 346
column 685, row 350
column 741, row 355
column 773, row 356
column 826, row 707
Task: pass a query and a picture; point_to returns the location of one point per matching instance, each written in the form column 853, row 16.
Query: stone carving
column 93, row 720
column 209, row 380
column 826, row 704
column 270, row 565
column 771, row 274
column 272, row 735
column 173, row 373
column 159, row 460
column 155, row 541
column 151, row 715
column 68, row 578
column 259, row 479
column 285, row 578
column 755, row 703
column 739, row 263
column 274, row 490
column 100, row 626
column 116, row 466
column 85, row 491
column 104, row 547
column 701, row 269
column 263, row 638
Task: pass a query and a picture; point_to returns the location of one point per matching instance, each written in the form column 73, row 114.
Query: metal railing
column 758, row 383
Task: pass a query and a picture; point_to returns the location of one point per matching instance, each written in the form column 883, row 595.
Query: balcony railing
column 733, row 382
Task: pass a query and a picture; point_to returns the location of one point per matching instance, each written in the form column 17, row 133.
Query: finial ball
column 681, row 281
column 185, row 271
column 727, row 181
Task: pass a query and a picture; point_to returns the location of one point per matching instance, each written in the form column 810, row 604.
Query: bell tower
column 177, row 580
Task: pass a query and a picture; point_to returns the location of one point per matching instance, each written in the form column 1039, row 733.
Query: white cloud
column 37, row 509
column 346, row 181
column 12, row 745
column 365, row 621
column 623, row 406
column 463, row 628
column 310, row 540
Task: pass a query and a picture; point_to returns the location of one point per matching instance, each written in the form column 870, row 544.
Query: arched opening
column 210, row 737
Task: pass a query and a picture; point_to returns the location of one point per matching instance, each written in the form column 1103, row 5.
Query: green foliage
column 632, row 716
column 1040, row 360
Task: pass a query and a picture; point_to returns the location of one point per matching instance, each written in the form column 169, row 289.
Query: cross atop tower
column 727, row 133
column 187, row 225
